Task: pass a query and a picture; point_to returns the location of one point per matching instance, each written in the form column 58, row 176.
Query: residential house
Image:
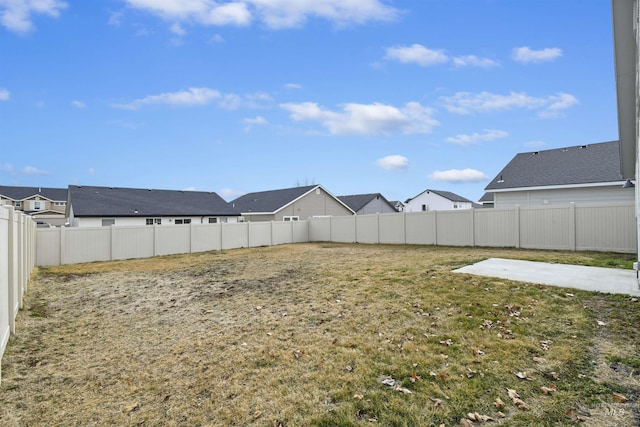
column 46, row 205
column 290, row 204
column 578, row 174
column 626, row 43
column 487, row 200
column 89, row 206
column 398, row 205
column 363, row 204
column 437, row 200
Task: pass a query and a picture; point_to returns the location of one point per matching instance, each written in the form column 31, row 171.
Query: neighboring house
column 487, row 200
column 626, row 43
column 290, row 204
column 578, row 174
column 46, row 205
column 398, row 205
column 104, row 206
column 363, row 204
column 437, row 200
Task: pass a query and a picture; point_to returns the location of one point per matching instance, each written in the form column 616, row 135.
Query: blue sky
column 237, row 96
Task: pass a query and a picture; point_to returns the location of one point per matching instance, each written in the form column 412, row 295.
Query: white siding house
column 436, row 200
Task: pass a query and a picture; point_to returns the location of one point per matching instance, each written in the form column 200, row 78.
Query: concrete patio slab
column 598, row 279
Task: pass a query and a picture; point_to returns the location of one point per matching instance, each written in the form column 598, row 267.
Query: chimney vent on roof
column 583, row 146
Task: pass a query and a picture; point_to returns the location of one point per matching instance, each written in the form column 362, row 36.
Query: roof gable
column 359, row 201
column 446, row 194
column 23, row 193
column 136, row 202
column 269, row 201
column 581, row 164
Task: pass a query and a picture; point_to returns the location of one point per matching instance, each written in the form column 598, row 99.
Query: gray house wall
column 376, row 206
column 591, row 195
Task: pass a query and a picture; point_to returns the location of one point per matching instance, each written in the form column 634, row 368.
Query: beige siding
column 316, row 203
column 612, row 194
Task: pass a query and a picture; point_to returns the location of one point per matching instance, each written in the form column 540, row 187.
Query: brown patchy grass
column 304, row 334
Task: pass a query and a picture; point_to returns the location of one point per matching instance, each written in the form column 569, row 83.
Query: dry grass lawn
column 319, row 335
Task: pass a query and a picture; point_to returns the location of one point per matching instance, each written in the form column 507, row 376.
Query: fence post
column 63, row 244
column 435, row 228
column 517, row 226
column 11, row 273
column 190, row 238
column 404, row 228
column 473, row 227
column 572, row 227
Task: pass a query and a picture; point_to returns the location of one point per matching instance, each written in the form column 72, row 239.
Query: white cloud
column 78, row 104
column 393, row 162
column 190, row 189
column 91, row 171
column 185, row 98
column 4, row 94
column 366, row 119
column 32, row 170
column 257, row 121
column 115, row 18
column 416, row 53
column 474, row 138
column 483, row 102
column 277, row 14
column 457, row 176
column 216, row 38
column 15, row 15
column 177, row 29
column 474, row 61
column 293, row 86
column 7, row 168
column 527, row 55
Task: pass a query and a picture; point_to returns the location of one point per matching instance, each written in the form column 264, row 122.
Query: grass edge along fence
column 17, row 261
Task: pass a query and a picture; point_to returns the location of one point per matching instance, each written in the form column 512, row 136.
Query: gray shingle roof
column 487, row 198
column 451, row 196
column 22, row 193
column 135, row 202
column 269, row 201
column 358, row 201
column 581, row 164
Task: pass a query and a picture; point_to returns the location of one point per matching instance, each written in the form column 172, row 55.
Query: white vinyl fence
column 610, row 227
column 17, row 260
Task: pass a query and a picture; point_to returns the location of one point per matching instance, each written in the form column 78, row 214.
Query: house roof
column 359, row 201
column 87, row 201
column 270, row 202
column 446, row 194
column 487, row 198
column 580, row 164
column 23, row 193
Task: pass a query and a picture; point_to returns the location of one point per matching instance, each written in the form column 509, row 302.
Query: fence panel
column 547, row 227
column 48, row 246
column 496, row 227
column 320, row 229
column 260, row 233
column 610, row 228
column 455, row 228
column 206, row 237
column 391, row 228
column 235, row 236
column 343, row 229
column 85, row 245
column 300, row 232
column 367, row 229
column 172, row 239
column 131, row 242
column 420, row 228
column 6, row 303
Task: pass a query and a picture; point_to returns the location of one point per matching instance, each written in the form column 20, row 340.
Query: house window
column 106, row 222
column 213, row 220
column 183, row 221
column 424, row 208
column 290, row 218
column 18, row 204
column 37, row 205
column 455, row 206
column 59, row 203
column 151, row 221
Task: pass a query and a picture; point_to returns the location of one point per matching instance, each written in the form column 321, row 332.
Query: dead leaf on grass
column 358, row 396
column 498, row 403
column 130, row 408
column 464, row 422
column 523, row 375
column 549, row 390
column 620, row 398
column 436, row 402
column 415, row 377
column 257, row 415
column 500, row 415
column 540, row 360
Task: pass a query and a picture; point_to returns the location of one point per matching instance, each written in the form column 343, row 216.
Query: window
column 106, row 222
column 424, row 208
column 213, row 220
column 18, row 204
column 455, row 206
column 183, row 221
column 151, row 221
column 59, row 203
column 37, row 205
column 290, row 218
